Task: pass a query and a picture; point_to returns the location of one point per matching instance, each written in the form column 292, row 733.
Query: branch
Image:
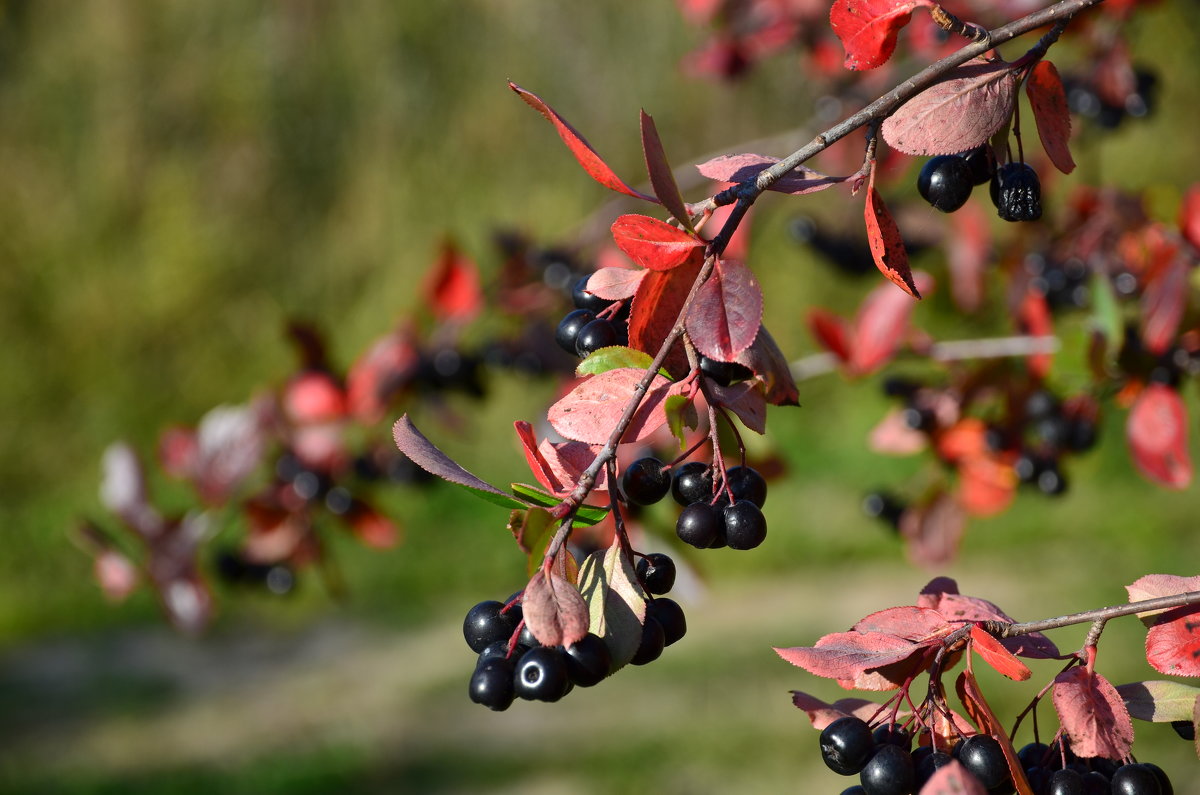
column 955, row 350
column 1102, row 614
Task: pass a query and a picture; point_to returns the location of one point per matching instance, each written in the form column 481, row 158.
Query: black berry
column 893, row 734
column 585, row 300
column 541, row 675
column 492, row 685
column 982, row 756
column 645, row 481
column 598, row 334
column 1135, row 780
column 699, row 524
column 747, row 484
column 980, row 164
column 745, row 526
column 724, row 373
column 1065, row 782
column 1032, row 754
column 692, row 482
column 945, row 182
column 883, row 506
column 1164, row 783
column 485, row 624
column 889, row 771
column 656, row 572
column 653, row 641
column 588, row 660
column 846, row 744
column 1017, row 193
column 928, row 764
column 669, row 614
column 568, row 329
column 855, row 790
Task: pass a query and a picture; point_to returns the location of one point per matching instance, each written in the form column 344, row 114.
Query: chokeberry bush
column 671, row 368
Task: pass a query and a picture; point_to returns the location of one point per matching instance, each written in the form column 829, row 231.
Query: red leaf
column 848, row 655
column 746, row 400
column 452, row 288
column 554, row 611
column 881, row 323
column 822, row 714
column 727, row 313
column 596, row 168
column 894, row 436
column 967, row 256
column 1034, row 319
column 1189, row 216
column 959, row 112
column 745, row 167
column 425, row 455
column 615, row 284
column 537, row 461
column 953, row 779
column 591, row 410
column 831, row 332
column 997, row 656
column 771, row 369
column 932, row 533
column 1092, row 714
column 1163, row 302
column 1173, row 643
column 887, row 247
column 654, row 244
column 313, row 397
column 1050, row 113
column 375, row 377
column 371, row 527
column 569, row 460
column 942, row 594
column 661, row 177
column 986, row 486
column 656, row 305
column 910, row 622
column 868, row 28
column 1153, row 586
column 1157, row 434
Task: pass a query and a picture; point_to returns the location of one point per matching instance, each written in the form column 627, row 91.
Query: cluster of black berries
column 885, row 765
column 1168, row 368
column 1064, row 284
column 512, row 664
column 1055, row 770
column 946, row 182
column 235, row 569
column 1046, row 432
column 594, row 323
column 847, row 253
column 1108, row 112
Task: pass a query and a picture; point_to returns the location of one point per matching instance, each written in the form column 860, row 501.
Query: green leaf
column 1159, row 701
column 533, row 529
column 680, row 412
column 616, row 603
column 1106, row 312
column 586, row 516
column 613, row 358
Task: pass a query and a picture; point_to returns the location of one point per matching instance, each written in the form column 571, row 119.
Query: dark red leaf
column 554, row 610
column 452, row 288
column 1092, row 714
column 822, row 714
column 537, row 461
column 959, row 112
column 967, row 254
column 592, row 163
column 1189, row 216
column 656, row 305
column 1163, row 302
column 1173, row 643
column 745, row 167
column 887, row 247
column 1050, row 113
column 425, row 455
column 615, row 284
column 881, row 323
column 771, row 369
column 846, row 656
column 655, row 244
column 942, row 594
column 591, row 410
column 995, row 655
column 727, row 312
column 918, row 624
column 868, row 28
column 831, row 332
column 661, row 177
column 1157, row 434
column 953, row 779
column 746, row 400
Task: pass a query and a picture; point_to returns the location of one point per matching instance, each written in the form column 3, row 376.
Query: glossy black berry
column 485, row 624
column 945, row 182
column 492, row 685
column 645, row 481
column 982, row 756
column 656, row 572
column 889, row 771
column 541, row 675
column 1095, row 783
column 692, row 482
column 745, row 525
column 1164, row 783
column 1051, row 481
column 1017, row 193
column 499, row 651
column 747, row 484
column 585, row 300
column 598, row 334
column 1135, row 780
column 527, row 638
column 1185, row 729
column 588, row 660
column 855, row 790
column 1033, row 754
column 892, row 733
column 669, row 614
column 980, row 164
column 653, row 641
column 699, row 524
column 724, row 373
column 567, row 333
column 928, row 764
column 883, row 506
column 846, row 745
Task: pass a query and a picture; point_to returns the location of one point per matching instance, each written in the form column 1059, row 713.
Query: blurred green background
column 180, row 178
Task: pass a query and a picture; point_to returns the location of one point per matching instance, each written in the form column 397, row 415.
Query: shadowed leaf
column 616, row 602
column 1092, row 714
column 554, row 611
column 1049, row 102
column 425, row 455
column 1159, row 701
column 727, row 313
column 659, row 169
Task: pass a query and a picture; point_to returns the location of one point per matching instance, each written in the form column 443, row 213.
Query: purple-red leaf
column 953, row 779
column 942, row 594
column 1049, row 102
column 881, row 323
column 1157, row 434
column 615, row 284
column 1092, row 714
column 591, row 410
column 868, row 28
column 831, row 332
column 1173, row 643
column 1152, row 586
column 656, row 305
column 744, row 167
column 933, row 532
column 918, row 624
column 425, row 455
column 960, row 112
column 746, row 400
column 1164, row 300
column 654, row 244
column 661, row 177
column 887, row 247
column 846, row 656
column 822, row 714
column 727, row 313
column 592, row 163
column 554, row 611
column 997, row 656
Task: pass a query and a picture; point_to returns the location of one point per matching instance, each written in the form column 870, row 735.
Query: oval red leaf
column 958, row 113
column 1049, row 102
column 591, row 410
column 1173, row 643
column 831, row 332
column 1157, row 434
column 452, row 288
column 726, row 315
column 554, row 611
column 1163, row 303
column 997, row 656
column 881, row 323
column 868, row 28
column 1093, row 714
column 887, row 247
column 745, row 167
column 654, row 244
column 615, row 284
column 592, row 163
column 771, row 369
column 656, row 306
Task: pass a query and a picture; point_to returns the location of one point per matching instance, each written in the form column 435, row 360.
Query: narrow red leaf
column 662, row 179
column 654, row 244
column 591, row 410
column 846, row 655
column 745, row 167
column 656, row 305
column 1173, row 643
column 554, row 610
column 868, row 28
column 1189, row 216
column 953, row 779
column 1093, row 715
column 981, row 712
column 881, row 323
column 1157, row 433
column 1049, row 102
column 427, row 456
column 1164, row 300
column 967, row 254
column 822, row 714
column 727, row 313
column 831, row 332
column 615, row 284
column 537, row 461
column 959, row 112
column 997, row 656
column 592, row 163
column 452, row 288
column 887, row 247
column 1034, row 319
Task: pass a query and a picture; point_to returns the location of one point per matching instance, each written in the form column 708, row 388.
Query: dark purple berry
column 846, row 745
column 692, row 482
column 1033, row 754
column 492, row 685
column 747, row 484
column 745, row 526
column 669, row 614
column 1051, row 481
column 980, row 164
column 598, row 334
column 645, row 481
column 945, row 182
column 1164, row 783
column 1017, row 193
column 1095, row 783
column 567, row 333
column 982, row 756
column 656, row 572
column 541, row 675
column 588, row 660
column 653, row 641
column 1135, row 780
column 919, row 419
column 699, row 524
column 892, row 733
column 928, row 764
column 585, row 300
column 527, row 638
column 883, row 506
column 855, row 790
column 889, row 771
column 485, row 624
column 724, row 373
